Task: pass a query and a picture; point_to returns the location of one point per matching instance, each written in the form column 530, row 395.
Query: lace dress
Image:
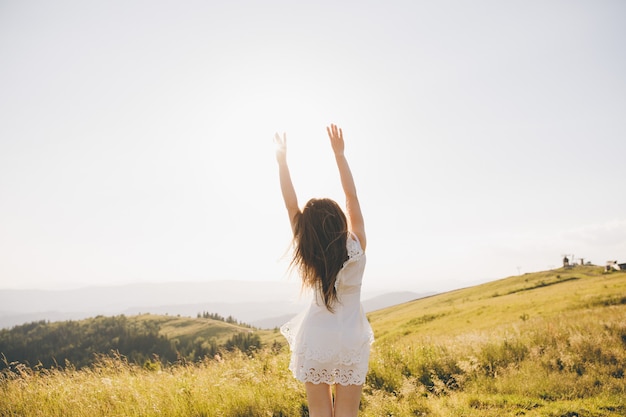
column 333, row 348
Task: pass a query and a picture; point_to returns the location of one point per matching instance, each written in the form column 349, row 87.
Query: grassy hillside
column 542, row 344
column 535, row 297
column 549, row 343
column 185, row 328
column 138, row 338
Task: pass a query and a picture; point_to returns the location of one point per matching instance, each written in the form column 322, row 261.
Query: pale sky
column 486, row 138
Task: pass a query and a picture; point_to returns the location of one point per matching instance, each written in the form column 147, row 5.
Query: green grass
column 544, row 344
column 484, row 307
column 185, row 328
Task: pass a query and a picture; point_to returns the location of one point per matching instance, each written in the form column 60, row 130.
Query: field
column 543, row 344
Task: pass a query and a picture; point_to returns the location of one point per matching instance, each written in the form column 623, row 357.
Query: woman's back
column 333, row 347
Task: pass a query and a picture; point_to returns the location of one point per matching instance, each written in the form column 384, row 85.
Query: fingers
column 279, row 140
column 334, row 132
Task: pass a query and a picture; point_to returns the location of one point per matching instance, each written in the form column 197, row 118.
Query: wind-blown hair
column 320, row 246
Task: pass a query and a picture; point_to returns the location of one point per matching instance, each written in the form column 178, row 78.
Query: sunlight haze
column 486, row 138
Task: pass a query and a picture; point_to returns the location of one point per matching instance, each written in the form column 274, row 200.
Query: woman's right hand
column 280, row 147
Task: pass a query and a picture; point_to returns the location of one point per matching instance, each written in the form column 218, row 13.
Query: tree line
column 215, row 316
column 47, row 345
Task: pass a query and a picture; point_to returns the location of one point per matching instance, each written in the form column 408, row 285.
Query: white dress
column 333, row 348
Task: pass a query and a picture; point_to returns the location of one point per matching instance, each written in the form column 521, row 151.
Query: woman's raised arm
column 286, row 186
column 355, row 217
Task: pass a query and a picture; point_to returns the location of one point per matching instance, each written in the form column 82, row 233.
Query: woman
column 330, row 341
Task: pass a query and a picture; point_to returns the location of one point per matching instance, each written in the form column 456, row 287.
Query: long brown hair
column 320, row 246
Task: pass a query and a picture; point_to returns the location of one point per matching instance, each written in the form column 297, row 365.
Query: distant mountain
column 272, row 322
column 264, row 304
column 392, row 299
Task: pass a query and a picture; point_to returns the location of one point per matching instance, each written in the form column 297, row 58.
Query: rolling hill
column 533, row 297
column 138, row 338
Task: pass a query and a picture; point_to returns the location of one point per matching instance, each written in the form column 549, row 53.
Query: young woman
column 330, row 341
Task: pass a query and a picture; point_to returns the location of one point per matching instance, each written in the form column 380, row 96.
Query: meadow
column 544, row 344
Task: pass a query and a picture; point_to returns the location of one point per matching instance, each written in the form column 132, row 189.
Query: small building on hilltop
column 614, row 266
column 569, row 261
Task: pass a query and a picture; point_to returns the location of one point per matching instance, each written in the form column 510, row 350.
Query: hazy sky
column 487, row 138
